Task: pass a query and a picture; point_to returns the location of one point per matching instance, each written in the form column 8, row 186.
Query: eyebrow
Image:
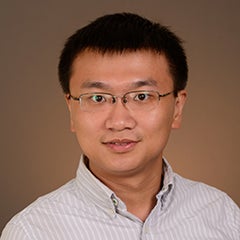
column 95, row 84
column 142, row 83
column 104, row 86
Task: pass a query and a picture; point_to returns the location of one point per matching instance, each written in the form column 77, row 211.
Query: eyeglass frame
column 114, row 97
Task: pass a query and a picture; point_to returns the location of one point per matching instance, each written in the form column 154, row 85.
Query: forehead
column 93, row 69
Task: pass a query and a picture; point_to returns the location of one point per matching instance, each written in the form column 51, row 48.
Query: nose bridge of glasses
column 122, row 98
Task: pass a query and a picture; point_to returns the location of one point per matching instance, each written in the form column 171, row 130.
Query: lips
column 121, row 145
column 121, row 142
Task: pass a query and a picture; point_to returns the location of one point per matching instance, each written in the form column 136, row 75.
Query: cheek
column 159, row 121
column 85, row 137
column 87, row 127
column 158, row 127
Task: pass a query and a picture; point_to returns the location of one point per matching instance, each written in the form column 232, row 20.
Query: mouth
column 121, row 145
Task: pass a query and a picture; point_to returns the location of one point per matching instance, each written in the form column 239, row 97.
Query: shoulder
column 42, row 211
column 205, row 203
column 198, row 190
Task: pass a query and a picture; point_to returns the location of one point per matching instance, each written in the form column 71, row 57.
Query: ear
column 178, row 110
column 69, row 105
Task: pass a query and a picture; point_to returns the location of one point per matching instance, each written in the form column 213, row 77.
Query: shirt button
column 146, row 230
column 115, row 202
column 112, row 212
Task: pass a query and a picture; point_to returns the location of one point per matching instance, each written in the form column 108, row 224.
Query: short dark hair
column 125, row 32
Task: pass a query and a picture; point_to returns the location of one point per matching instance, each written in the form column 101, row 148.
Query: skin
column 125, row 148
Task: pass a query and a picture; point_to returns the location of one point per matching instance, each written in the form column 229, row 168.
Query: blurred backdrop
column 38, row 151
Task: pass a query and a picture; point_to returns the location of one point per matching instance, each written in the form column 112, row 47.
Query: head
column 125, row 32
column 118, row 54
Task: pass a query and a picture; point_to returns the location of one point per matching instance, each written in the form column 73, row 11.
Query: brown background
column 38, row 152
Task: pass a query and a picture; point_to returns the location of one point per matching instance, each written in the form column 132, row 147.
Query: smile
column 121, row 146
column 120, row 143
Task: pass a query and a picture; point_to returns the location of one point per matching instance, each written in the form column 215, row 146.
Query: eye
column 98, row 98
column 142, row 96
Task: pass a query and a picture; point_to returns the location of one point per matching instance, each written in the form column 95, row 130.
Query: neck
column 137, row 192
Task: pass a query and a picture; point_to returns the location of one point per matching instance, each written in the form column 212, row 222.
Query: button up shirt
column 86, row 209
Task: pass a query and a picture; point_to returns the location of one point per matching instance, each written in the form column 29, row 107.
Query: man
column 124, row 80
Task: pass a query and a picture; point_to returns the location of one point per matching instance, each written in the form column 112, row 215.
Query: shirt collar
column 105, row 198
column 93, row 189
column 168, row 175
column 164, row 195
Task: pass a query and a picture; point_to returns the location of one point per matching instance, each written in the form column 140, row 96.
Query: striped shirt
column 85, row 208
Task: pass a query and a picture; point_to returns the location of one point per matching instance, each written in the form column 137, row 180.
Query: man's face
column 119, row 141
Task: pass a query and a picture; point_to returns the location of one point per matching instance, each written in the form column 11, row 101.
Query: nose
column 119, row 118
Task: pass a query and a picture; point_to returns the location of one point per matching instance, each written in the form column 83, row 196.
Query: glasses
column 134, row 100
